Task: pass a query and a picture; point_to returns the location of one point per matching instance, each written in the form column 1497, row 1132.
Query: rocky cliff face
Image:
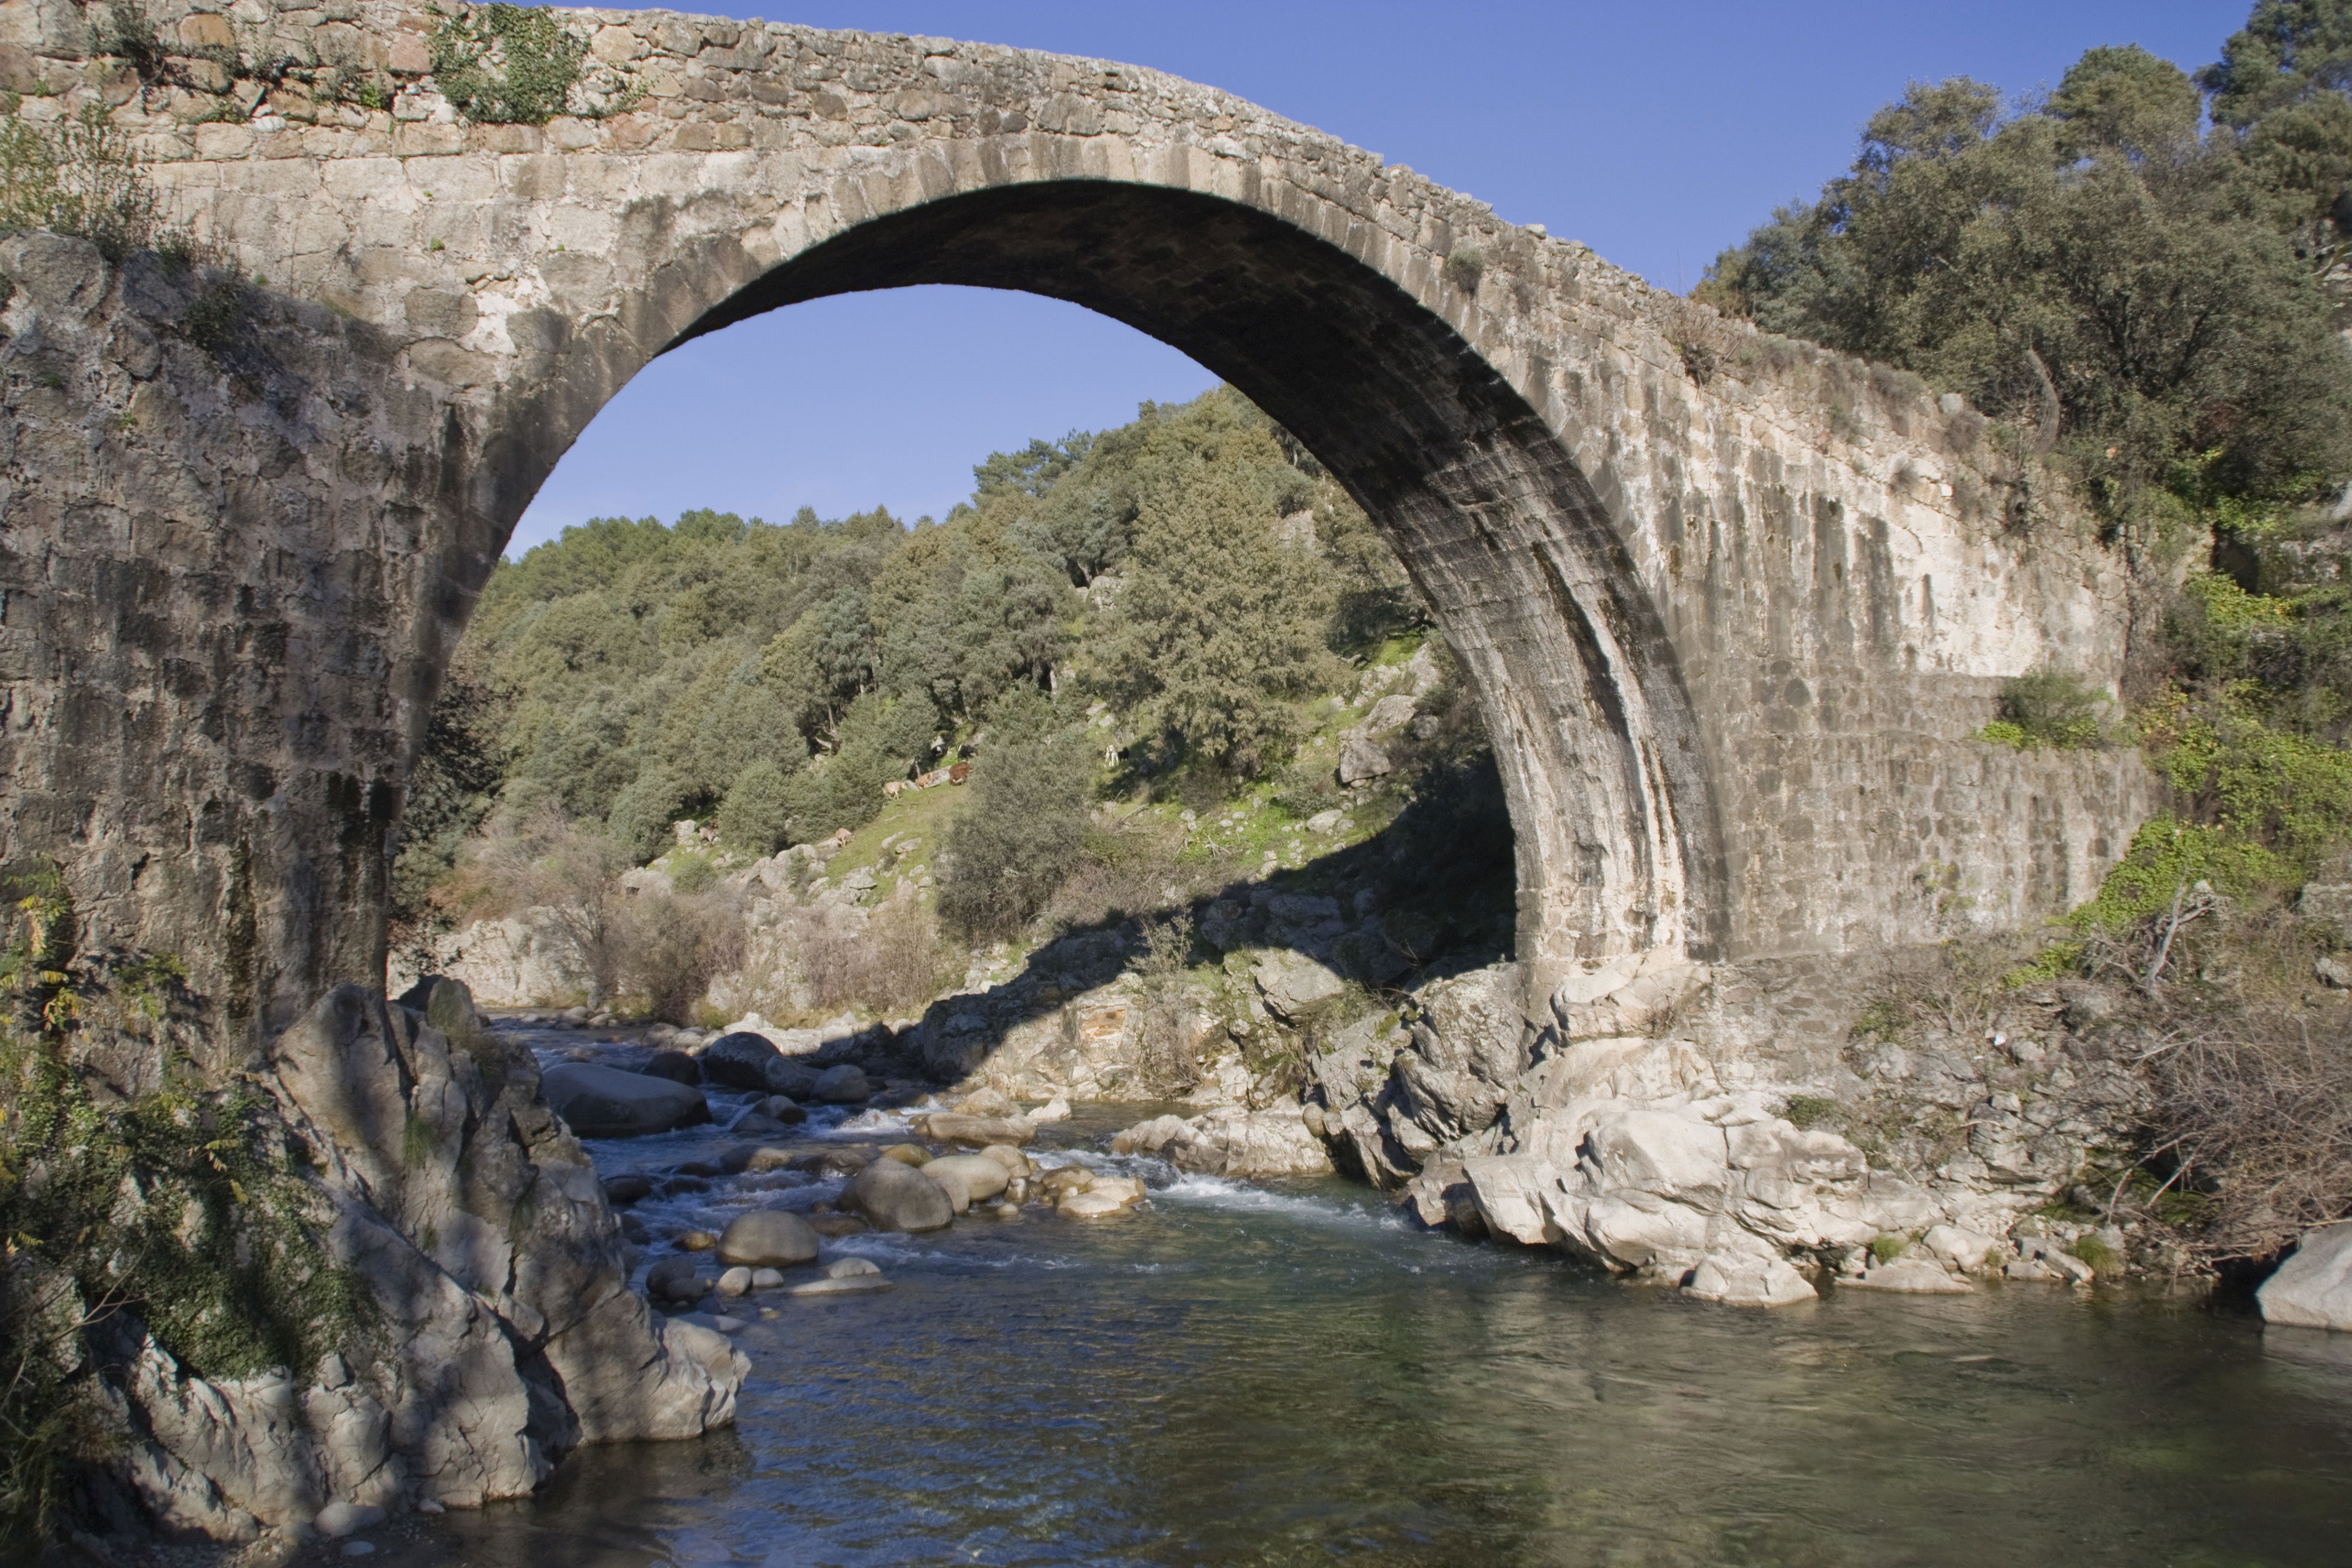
column 493, row 1329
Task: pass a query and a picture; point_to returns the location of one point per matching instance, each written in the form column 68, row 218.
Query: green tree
column 757, row 813
column 1023, row 832
column 1220, row 626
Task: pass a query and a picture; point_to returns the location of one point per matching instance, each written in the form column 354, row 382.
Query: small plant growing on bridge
column 516, row 65
column 81, row 177
column 2046, row 708
column 1466, row 267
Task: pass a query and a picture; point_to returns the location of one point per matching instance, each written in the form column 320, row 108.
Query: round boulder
column 908, row 1154
column 843, row 1085
column 674, row 1280
column 675, row 1066
column 745, row 1060
column 950, row 1181
column 767, row 1238
column 892, row 1196
column 982, row 1177
column 605, row 1102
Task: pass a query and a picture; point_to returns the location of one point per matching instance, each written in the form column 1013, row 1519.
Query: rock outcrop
column 2313, row 1288
column 495, row 1330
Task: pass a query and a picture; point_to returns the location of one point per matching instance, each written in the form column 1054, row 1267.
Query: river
column 1288, row 1371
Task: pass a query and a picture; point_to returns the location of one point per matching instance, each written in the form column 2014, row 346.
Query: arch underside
column 1619, row 844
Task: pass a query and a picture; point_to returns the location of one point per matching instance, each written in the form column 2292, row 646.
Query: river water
column 1288, row 1372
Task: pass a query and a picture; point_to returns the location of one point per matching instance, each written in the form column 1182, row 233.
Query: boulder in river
column 674, row 1280
column 845, row 1268
column 768, row 1238
column 1910, row 1277
column 1748, row 1280
column 843, row 1084
column 1016, row 1164
column 987, row 1103
column 1091, row 1204
column 853, row 1285
column 913, row 1155
column 605, row 1102
column 675, row 1066
column 2313, row 1288
column 978, row 1131
column 950, row 1181
column 747, row 1061
column 982, row 1177
column 892, row 1196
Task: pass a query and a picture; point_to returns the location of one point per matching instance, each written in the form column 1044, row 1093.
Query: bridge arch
column 1619, row 851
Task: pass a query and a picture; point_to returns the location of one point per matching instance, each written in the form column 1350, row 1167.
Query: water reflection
column 1288, row 1376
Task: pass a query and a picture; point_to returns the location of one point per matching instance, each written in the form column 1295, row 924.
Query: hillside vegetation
column 1147, row 643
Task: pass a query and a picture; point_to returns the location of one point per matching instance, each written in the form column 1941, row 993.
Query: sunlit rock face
column 1733, row 604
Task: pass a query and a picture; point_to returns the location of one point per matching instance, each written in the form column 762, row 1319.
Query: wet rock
column 1016, row 1164
column 893, row 1196
column 946, row 1127
column 1741, row 1279
column 843, row 1084
column 832, row 1161
column 735, row 1282
column 780, row 1108
column 674, row 1280
column 847, row 1285
column 837, row 1224
column 675, row 1066
column 1910, row 1277
column 768, row 1238
column 747, row 1061
column 851, row 1267
column 913, row 1155
column 2313, row 1288
column 1957, row 1248
column 629, row 1187
column 697, row 1241
column 605, row 1102
column 982, row 1177
column 1063, row 1180
column 1150, row 1137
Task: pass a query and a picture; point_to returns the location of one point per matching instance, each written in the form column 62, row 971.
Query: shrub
column 1810, row 1110
column 673, row 946
column 756, row 811
column 78, row 177
column 2046, row 708
column 542, row 63
column 1023, row 832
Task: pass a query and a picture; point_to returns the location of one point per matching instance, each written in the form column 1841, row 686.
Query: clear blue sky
column 1657, row 133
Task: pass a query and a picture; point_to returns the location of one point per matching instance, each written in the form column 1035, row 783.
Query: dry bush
column 1169, row 1068
column 675, row 944
column 568, row 876
column 2255, row 1111
column 890, row 963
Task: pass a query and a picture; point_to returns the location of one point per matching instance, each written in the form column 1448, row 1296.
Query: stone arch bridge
column 1733, row 604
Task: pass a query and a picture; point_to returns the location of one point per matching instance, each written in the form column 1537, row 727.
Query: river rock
column 1150, row 1137
column 1092, row 1204
column 781, row 1107
column 735, row 1282
column 913, row 1155
column 982, row 1177
column 628, row 1187
column 605, row 1102
column 987, row 1103
column 1955, row 1248
column 843, row 1084
column 1016, row 1164
column 2313, row 1288
column 892, row 1196
column 1055, row 1109
column 767, row 1279
column 978, row 1131
column 950, row 1181
column 837, row 1224
column 1748, row 1280
column 850, row 1268
column 851, row 1285
column 674, row 1280
column 1909, row 1277
column 743, row 1060
column 675, row 1066
column 768, row 1238
column 1063, row 1180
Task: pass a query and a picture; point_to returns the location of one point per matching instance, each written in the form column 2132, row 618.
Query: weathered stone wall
column 1733, row 604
